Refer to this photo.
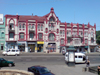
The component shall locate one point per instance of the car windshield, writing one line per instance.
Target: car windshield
(44, 70)
(2, 59)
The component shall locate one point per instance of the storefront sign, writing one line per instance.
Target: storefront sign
(40, 42)
(1, 18)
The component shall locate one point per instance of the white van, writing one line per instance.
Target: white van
(79, 57)
(11, 52)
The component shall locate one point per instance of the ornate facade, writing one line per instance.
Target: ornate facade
(47, 33)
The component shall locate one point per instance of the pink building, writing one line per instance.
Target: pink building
(47, 33)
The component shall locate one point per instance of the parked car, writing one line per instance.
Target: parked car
(11, 52)
(40, 70)
(4, 62)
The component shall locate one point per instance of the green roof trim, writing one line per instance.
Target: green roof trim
(71, 48)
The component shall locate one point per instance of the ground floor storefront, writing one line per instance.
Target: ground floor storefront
(2, 45)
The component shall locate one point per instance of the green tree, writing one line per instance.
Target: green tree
(98, 37)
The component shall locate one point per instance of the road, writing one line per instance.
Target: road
(55, 63)
(49, 59)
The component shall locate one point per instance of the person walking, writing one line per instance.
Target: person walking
(87, 64)
(99, 70)
(30, 50)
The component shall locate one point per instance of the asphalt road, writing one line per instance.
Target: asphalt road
(55, 63)
(47, 59)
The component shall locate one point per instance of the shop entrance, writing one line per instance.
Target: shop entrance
(52, 47)
(40, 48)
(32, 47)
(21, 48)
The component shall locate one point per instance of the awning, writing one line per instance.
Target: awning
(86, 46)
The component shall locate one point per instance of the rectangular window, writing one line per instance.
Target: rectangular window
(40, 35)
(41, 27)
(63, 32)
(21, 35)
(85, 41)
(19, 26)
(62, 41)
(31, 35)
(29, 26)
(32, 26)
(38, 26)
(60, 32)
(68, 40)
(11, 35)
(23, 26)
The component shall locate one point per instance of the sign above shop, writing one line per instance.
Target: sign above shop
(40, 42)
(1, 18)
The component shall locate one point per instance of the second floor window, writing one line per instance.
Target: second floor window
(62, 41)
(86, 41)
(23, 26)
(51, 36)
(38, 26)
(21, 35)
(40, 36)
(19, 25)
(41, 27)
(32, 26)
(11, 25)
(31, 35)
(11, 35)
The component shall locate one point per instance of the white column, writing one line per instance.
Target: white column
(36, 47)
(26, 47)
(16, 46)
(88, 49)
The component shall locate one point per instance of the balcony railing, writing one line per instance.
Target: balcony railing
(11, 29)
(32, 39)
(31, 29)
(69, 35)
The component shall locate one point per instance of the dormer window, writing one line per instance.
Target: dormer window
(52, 20)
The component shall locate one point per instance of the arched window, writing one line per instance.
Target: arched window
(51, 36)
(52, 19)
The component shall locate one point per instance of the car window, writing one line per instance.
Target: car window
(13, 50)
(79, 56)
(16, 50)
(8, 51)
(44, 70)
(75, 56)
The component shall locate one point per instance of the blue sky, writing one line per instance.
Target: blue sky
(75, 11)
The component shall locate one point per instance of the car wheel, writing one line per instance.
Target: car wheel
(10, 65)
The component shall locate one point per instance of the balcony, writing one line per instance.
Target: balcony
(31, 29)
(11, 29)
(69, 35)
(11, 39)
(32, 39)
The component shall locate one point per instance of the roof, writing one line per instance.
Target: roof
(78, 53)
(38, 66)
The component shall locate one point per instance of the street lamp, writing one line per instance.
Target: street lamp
(71, 56)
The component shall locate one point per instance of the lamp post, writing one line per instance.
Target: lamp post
(71, 56)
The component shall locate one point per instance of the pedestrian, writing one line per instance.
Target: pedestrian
(99, 70)
(87, 64)
(30, 50)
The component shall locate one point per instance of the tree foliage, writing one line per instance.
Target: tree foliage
(98, 37)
